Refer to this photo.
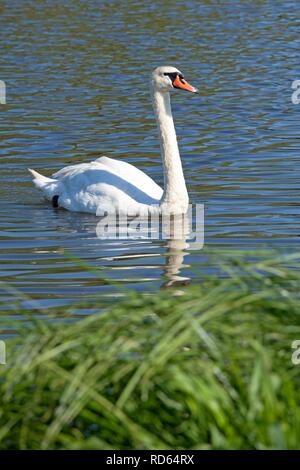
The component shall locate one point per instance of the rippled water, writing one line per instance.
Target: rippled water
(77, 78)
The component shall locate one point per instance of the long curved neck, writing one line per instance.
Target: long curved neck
(175, 192)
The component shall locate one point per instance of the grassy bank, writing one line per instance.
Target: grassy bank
(210, 368)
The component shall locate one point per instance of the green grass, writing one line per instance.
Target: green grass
(206, 367)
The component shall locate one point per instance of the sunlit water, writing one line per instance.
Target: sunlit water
(77, 78)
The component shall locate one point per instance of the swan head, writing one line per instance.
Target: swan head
(167, 78)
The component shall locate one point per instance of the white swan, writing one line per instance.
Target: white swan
(107, 185)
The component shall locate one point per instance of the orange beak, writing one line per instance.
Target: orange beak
(183, 84)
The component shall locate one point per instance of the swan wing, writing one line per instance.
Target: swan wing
(105, 183)
(128, 172)
(133, 175)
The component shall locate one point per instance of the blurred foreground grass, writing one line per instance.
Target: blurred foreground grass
(207, 368)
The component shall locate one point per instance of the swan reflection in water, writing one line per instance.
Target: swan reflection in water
(109, 240)
(172, 231)
(176, 250)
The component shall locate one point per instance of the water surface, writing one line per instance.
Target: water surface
(77, 78)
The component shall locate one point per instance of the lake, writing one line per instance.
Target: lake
(77, 87)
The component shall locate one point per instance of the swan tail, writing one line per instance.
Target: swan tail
(48, 186)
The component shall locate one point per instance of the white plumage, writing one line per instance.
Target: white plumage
(100, 186)
(107, 185)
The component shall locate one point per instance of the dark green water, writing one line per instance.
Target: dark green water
(77, 78)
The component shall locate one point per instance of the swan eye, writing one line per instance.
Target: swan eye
(172, 75)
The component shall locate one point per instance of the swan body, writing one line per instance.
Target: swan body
(100, 186)
(106, 185)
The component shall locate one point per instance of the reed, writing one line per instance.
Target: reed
(208, 367)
